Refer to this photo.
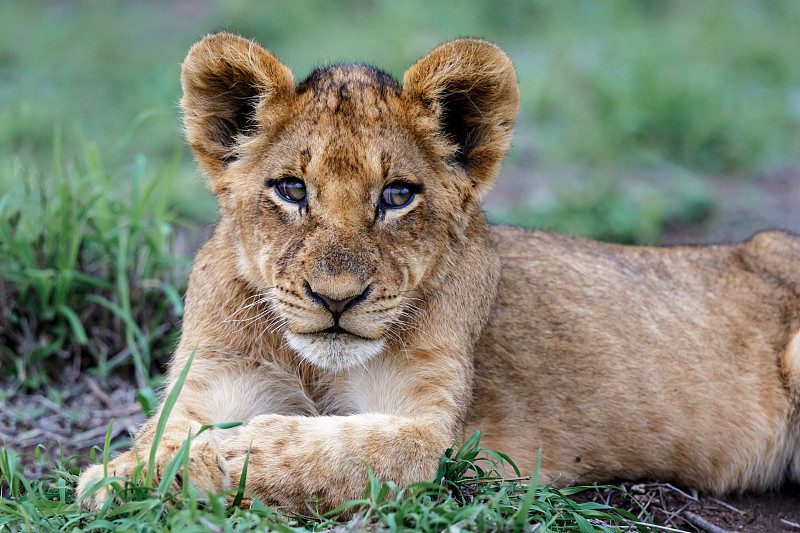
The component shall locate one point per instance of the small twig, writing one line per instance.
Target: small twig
(679, 491)
(790, 524)
(493, 480)
(208, 525)
(727, 506)
(662, 528)
(95, 434)
(53, 406)
(605, 498)
(646, 506)
(118, 358)
(32, 434)
(670, 516)
(99, 392)
(664, 505)
(702, 523)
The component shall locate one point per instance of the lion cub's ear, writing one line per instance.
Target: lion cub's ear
(231, 86)
(471, 88)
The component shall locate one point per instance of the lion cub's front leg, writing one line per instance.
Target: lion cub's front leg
(296, 462)
(207, 469)
(214, 392)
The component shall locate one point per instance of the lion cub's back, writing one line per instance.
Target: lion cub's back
(641, 361)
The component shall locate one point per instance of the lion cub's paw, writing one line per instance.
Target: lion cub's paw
(93, 500)
(207, 470)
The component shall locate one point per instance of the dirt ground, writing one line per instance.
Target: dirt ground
(76, 414)
(771, 201)
(677, 509)
(70, 419)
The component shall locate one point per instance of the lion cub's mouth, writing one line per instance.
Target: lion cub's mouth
(335, 329)
(334, 348)
(339, 330)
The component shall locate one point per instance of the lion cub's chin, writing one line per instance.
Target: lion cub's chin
(333, 351)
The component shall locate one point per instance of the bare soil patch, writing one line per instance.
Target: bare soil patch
(70, 419)
(685, 510)
(745, 206)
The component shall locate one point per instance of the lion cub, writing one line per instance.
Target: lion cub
(353, 302)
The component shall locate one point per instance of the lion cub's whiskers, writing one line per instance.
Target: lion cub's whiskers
(396, 336)
(251, 320)
(248, 319)
(257, 299)
(406, 321)
(275, 325)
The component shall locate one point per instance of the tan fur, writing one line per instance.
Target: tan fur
(681, 364)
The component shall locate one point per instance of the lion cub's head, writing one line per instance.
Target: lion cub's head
(348, 196)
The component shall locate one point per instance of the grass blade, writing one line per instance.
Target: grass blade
(237, 501)
(75, 323)
(169, 403)
(520, 518)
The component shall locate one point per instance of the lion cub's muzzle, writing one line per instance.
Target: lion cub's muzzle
(340, 308)
(344, 329)
(336, 306)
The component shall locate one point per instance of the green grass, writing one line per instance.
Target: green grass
(472, 492)
(87, 265)
(603, 208)
(642, 83)
(482, 502)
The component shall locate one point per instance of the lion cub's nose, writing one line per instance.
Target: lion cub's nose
(337, 306)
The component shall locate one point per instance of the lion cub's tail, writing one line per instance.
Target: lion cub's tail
(774, 255)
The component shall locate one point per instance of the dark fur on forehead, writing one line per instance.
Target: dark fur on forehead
(335, 78)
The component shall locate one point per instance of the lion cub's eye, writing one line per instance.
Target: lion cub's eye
(397, 195)
(291, 189)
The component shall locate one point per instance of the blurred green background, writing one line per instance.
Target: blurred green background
(632, 111)
(641, 121)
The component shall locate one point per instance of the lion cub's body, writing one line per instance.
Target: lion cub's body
(642, 362)
(353, 302)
